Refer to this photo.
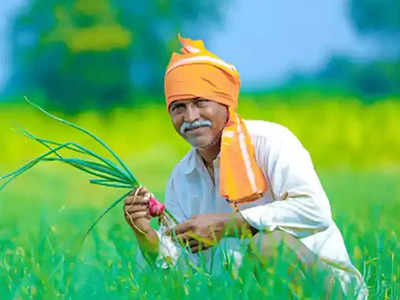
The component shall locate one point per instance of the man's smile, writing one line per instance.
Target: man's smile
(196, 130)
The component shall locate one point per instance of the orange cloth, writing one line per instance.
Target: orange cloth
(199, 73)
(241, 179)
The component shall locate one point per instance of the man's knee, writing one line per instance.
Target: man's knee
(279, 246)
(271, 245)
(267, 243)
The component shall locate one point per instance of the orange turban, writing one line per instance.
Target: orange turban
(199, 73)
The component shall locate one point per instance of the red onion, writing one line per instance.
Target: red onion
(156, 208)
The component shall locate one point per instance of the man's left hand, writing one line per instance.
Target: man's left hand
(203, 231)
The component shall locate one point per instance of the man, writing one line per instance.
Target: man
(240, 177)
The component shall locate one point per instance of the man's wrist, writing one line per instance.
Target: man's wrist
(149, 244)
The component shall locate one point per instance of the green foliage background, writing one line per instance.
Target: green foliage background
(81, 54)
(339, 131)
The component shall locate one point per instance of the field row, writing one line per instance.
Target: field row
(338, 132)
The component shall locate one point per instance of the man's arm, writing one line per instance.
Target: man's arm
(137, 216)
(205, 230)
(301, 207)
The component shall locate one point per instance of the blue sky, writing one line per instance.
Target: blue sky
(266, 40)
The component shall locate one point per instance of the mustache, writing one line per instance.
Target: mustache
(193, 125)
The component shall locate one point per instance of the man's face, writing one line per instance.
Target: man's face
(199, 121)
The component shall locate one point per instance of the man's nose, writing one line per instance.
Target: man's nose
(191, 113)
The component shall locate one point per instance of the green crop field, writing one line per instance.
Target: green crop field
(45, 212)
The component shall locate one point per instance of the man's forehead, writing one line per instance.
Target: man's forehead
(188, 100)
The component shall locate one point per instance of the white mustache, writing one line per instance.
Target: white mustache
(193, 125)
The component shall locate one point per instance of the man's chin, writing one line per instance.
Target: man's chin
(198, 144)
(202, 144)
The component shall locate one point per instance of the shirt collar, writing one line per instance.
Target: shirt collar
(195, 160)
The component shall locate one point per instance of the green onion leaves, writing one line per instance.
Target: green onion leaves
(105, 172)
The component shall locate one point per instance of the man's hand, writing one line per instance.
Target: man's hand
(136, 210)
(203, 231)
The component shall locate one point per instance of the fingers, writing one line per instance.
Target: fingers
(136, 205)
(196, 249)
(194, 242)
(186, 239)
(183, 238)
(182, 228)
(135, 208)
(137, 215)
(191, 243)
(137, 219)
(141, 190)
(139, 195)
(195, 246)
(140, 206)
(138, 200)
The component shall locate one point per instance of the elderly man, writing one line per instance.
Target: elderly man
(240, 177)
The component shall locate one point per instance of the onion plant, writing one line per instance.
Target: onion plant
(110, 173)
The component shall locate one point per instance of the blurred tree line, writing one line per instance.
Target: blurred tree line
(79, 54)
(378, 20)
(99, 53)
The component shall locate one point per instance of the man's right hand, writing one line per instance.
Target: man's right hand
(136, 210)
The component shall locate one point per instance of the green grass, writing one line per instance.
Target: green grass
(45, 214)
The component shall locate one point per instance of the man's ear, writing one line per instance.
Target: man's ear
(227, 114)
(169, 108)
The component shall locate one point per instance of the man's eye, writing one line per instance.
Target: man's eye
(177, 108)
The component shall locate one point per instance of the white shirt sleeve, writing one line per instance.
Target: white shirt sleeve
(300, 206)
(171, 200)
(169, 251)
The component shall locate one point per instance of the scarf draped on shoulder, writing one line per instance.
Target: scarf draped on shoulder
(196, 72)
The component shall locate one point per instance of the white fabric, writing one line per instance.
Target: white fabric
(200, 59)
(295, 202)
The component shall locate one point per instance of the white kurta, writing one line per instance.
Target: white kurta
(295, 201)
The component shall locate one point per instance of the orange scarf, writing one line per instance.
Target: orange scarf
(199, 73)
